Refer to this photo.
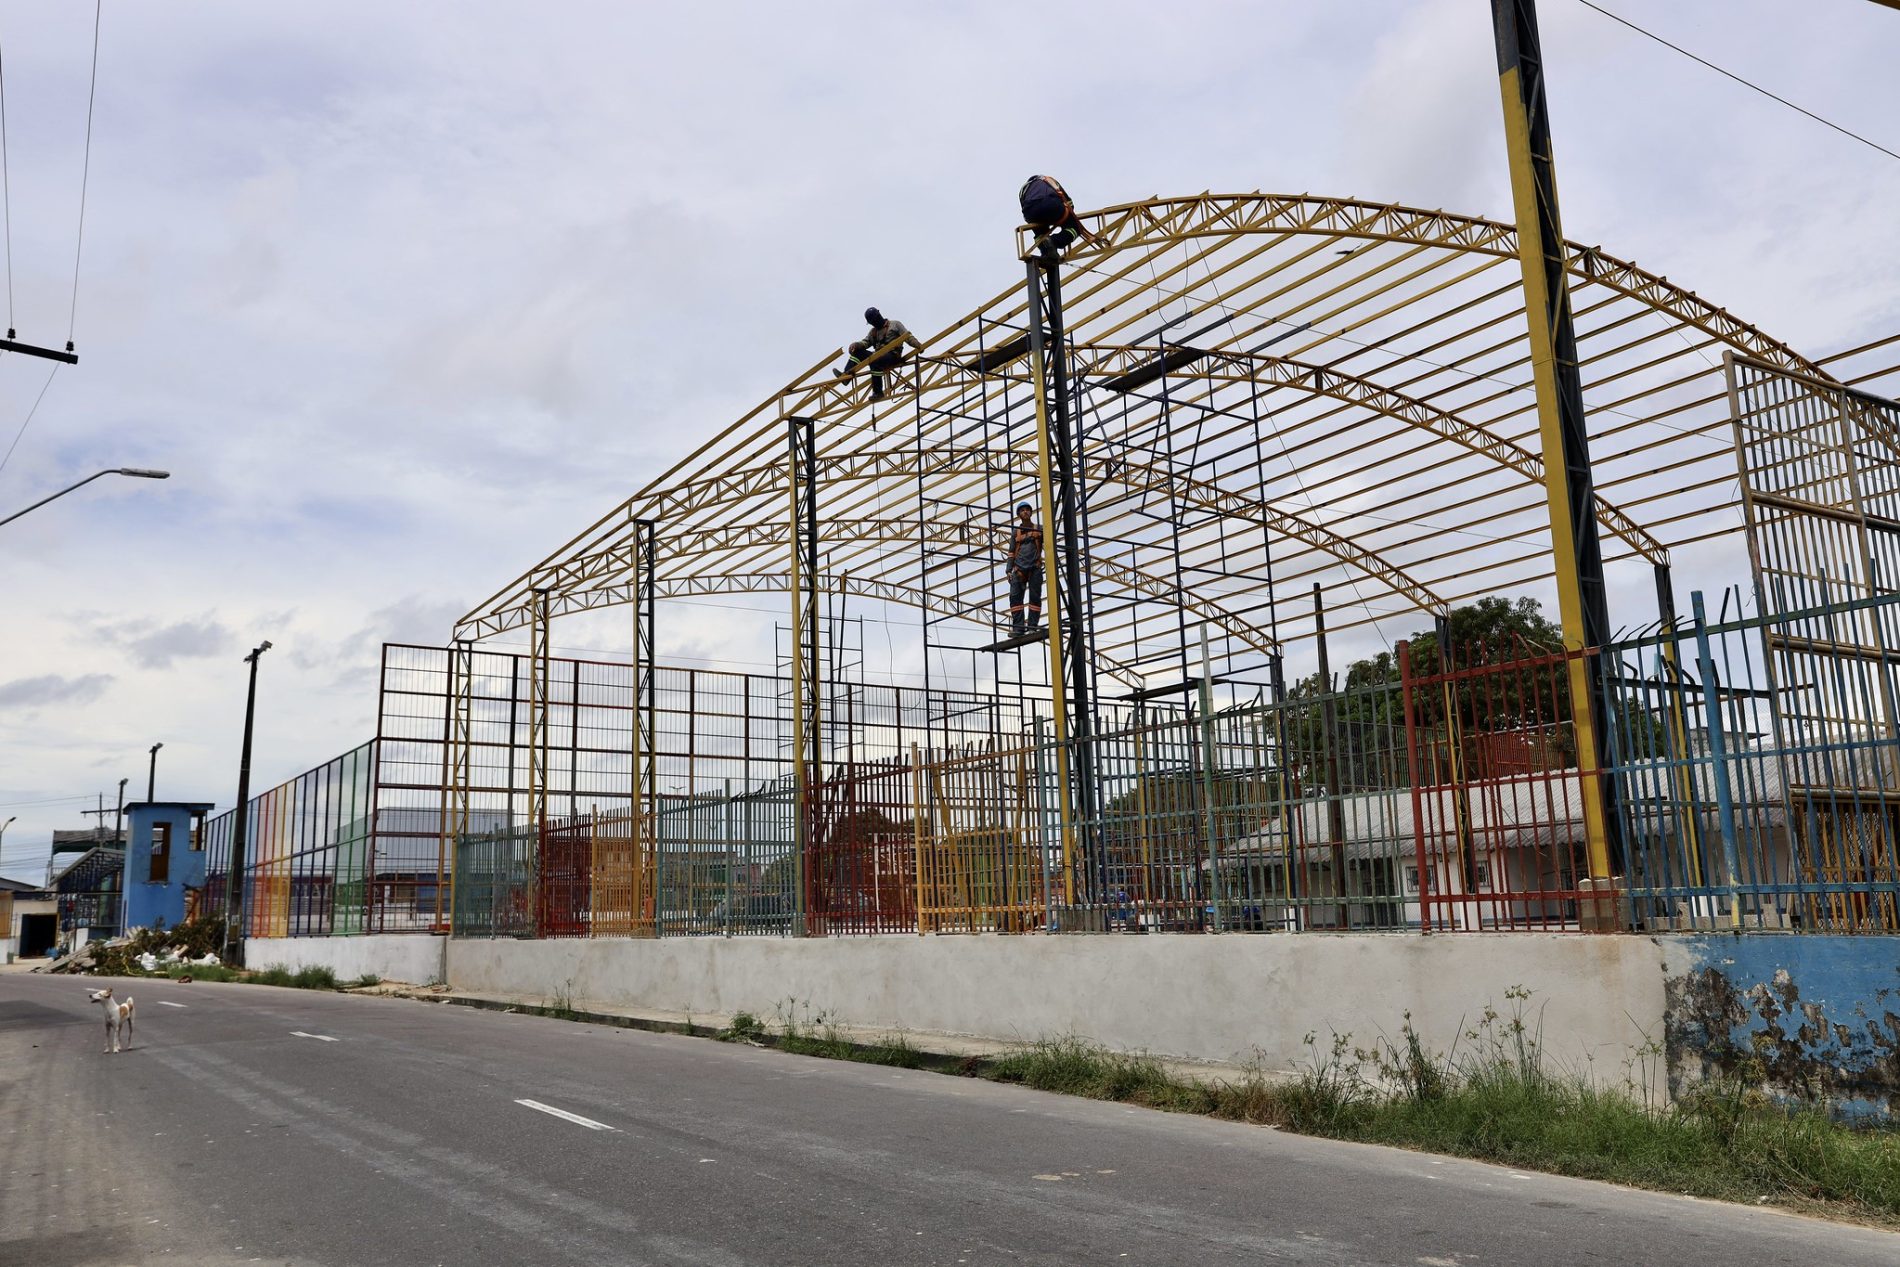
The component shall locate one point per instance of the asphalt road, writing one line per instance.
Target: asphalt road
(233, 1132)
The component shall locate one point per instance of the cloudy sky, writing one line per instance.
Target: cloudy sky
(403, 295)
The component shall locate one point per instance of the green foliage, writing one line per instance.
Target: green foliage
(363, 982)
(743, 1028)
(310, 977)
(315, 977)
(1498, 1100)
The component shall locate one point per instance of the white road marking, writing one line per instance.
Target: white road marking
(565, 1116)
(169, 1003)
(322, 1038)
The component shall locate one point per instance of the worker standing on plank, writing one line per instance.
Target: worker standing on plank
(1048, 210)
(1025, 573)
(880, 350)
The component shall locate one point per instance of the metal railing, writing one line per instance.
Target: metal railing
(1751, 780)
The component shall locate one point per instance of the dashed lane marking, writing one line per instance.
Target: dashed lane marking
(565, 1116)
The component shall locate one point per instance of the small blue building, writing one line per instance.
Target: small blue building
(164, 857)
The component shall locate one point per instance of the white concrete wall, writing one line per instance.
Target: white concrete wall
(1228, 998)
(411, 957)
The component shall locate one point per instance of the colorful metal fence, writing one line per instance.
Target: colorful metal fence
(1753, 782)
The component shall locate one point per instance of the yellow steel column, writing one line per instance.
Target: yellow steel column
(1576, 554)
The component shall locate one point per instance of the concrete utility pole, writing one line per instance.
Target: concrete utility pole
(234, 881)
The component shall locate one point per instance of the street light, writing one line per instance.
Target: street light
(138, 473)
(151, 775)
(234, 881)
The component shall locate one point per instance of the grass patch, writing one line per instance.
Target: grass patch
(817, 1035)
(363, 982)
(311, 977)
(1498, 1101)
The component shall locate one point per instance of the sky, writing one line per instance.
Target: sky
(405, 295)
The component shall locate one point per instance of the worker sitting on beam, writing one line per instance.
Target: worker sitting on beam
(880, 350)
(1024, 552)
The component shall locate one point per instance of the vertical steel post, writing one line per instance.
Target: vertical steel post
(807, 741)
(1080, 662)
(730, 840)
(1294, 866)
(1055, 602)
(234, 881)
(1210, 815)
(917, 827)
(1421, 857)
(1569, 490)
(1677, 731)
(457, 725)
(1718, 756)
(641, 811)
(1329, 744)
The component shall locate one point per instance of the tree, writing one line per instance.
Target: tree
(1515, 709)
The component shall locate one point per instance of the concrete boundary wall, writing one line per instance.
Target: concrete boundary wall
(1597, 1000)
(413, 957)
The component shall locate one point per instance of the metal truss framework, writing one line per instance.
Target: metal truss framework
(1382, 348)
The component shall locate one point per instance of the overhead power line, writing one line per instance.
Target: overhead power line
(1738, 79)
(29, 419)
(85, 174)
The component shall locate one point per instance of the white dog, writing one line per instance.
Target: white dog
(118, 1017)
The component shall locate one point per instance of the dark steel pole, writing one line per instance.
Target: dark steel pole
(151, 775)
(234, 881)
(1065, 443)
(1329, 741)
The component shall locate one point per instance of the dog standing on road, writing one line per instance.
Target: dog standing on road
(118, 1017)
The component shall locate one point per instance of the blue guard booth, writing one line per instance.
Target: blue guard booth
(164, 858)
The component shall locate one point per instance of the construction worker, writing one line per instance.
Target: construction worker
(1048, 210)
(880, 350)
(1024, 552)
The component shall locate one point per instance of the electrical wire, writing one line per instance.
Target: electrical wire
(6, 191)
(29, 418)
(1738, 79)
(85, 174)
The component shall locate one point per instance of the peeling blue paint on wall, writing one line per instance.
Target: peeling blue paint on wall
(1807, 1018)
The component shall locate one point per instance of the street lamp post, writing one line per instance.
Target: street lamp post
(234, 890)
(135, 472)
(151, 775)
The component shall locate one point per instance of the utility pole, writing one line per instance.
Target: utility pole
(99, 826)
(151, 775)
(234, 881)
(1575, 551)
(118, 816)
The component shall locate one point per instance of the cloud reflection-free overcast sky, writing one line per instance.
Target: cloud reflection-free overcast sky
(404, 295)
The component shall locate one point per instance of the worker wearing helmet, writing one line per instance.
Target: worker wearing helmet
(1024, 553)
(880, 350)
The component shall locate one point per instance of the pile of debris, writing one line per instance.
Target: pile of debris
(147, 950)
